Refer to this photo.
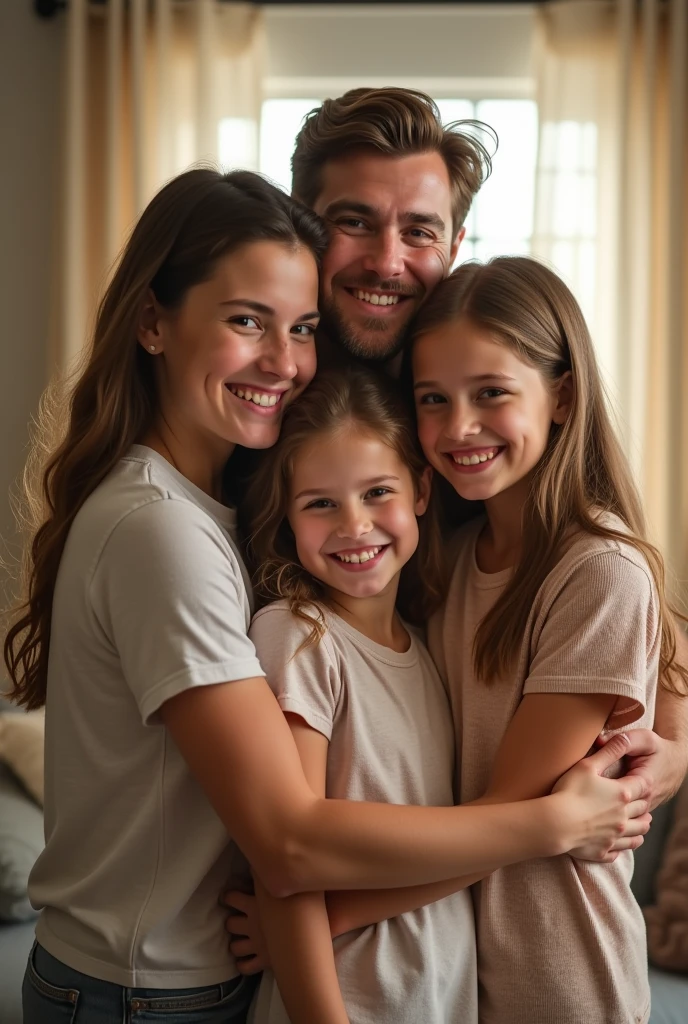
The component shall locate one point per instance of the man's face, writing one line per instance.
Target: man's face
(391, 242)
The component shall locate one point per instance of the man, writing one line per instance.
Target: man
(395, 187)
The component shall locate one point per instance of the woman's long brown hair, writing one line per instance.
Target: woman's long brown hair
(583, 471)
(194, 221)
(352, 398)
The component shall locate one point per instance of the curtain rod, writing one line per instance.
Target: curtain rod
(49, 8)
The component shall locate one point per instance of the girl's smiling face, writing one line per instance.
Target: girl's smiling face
(352, 509)
(484, 415)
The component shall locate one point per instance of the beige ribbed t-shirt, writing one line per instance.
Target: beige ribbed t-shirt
(387, 718)
(560, 941)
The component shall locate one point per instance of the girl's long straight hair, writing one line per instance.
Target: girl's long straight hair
(583, 471)
(195, 220)
(351, 398)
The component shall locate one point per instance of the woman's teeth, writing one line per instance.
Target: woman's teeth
(357, 556)
(257, 397)
(376, 299)
(474, 459)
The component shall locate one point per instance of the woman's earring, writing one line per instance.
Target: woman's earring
(151, 348)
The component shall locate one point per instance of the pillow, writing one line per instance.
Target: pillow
(21, 841)
(667, 920)
(21, 748)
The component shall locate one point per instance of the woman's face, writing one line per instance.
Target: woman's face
(239, 349)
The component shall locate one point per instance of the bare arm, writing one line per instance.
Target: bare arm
(296, 930)
(548, 734)
(297, 841)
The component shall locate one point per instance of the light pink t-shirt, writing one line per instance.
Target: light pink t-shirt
(560, 941)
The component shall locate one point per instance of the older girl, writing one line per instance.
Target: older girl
(556, 625)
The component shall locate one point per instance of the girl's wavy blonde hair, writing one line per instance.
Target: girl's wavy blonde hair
(354, 398)
(583, 471)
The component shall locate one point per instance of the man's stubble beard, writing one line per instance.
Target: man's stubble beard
(342, 334)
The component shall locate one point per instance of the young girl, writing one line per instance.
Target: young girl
(555, 626)
(333, 514)
(162, 736)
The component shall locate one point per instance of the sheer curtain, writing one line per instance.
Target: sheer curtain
(152, 87)
(612, 216)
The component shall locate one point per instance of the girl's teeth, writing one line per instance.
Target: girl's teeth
(474, 459)
(358, 556)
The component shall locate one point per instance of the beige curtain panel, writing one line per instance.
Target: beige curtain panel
(153, 87)
(612, 90)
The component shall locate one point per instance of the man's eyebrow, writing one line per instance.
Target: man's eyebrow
(430, 219)
(259, 307)
(350, 206)
(375, 481)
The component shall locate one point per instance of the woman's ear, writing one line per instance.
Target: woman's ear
(564, 392)
(148, 331)
(423, 491)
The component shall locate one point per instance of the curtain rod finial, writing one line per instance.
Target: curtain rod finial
(48, 8)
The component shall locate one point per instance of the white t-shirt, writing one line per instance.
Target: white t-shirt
(391, 740)
(151, 599)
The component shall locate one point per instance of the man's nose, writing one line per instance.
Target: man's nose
(385, 255)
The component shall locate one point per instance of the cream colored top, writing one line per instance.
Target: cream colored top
(388, 722)
(560, 941)
(151, 599)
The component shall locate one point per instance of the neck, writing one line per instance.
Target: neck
(375, 617)
(193, 457)
(500, 545)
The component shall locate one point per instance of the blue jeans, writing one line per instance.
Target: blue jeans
(55, 994)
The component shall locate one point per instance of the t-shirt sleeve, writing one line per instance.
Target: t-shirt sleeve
(168, 594)
(601, 635)
(306, 682)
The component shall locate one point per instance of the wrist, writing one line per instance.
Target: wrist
(561, 827)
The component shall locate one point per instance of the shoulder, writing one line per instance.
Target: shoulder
(594, 568)
(278, 631)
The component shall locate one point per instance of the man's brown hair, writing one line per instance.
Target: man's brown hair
(397, 122)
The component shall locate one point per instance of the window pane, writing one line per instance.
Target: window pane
(504, 205)
(280, 122)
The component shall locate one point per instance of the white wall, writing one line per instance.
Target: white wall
(400, 44)
(30, 83)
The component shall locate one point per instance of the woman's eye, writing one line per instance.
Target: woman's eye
(245, 321)
(431, 399)
(492, 393)
(377, 492)
(304, 330)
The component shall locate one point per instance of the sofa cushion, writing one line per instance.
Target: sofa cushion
(22, 743)
(21, 841)
(667, 919)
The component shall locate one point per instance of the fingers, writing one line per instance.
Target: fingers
(239, 900)
(638, 826)
(237, 924)
(250, 965)
(638, 810)
(614, 749)
(626, 843)
(636, 788)
(642, 742)
(241, 946)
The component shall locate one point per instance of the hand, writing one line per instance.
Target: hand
(247, 943)
(602, 808)
(659, 761)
